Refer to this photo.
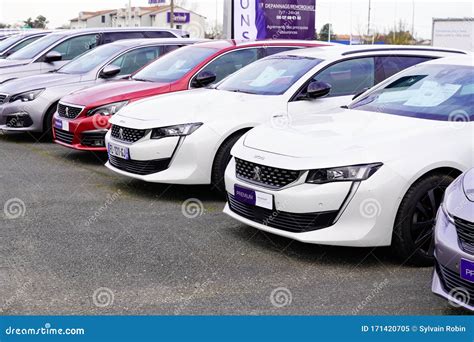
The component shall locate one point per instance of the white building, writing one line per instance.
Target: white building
(156, 16)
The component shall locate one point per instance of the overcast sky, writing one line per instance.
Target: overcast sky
(343, 14)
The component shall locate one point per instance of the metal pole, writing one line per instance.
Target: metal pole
(129, 13)
(413, 20)
(172, 14)
(368, 19)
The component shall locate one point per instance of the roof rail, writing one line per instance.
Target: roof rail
(403, 49)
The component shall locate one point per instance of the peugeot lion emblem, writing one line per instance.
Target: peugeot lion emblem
(257, 174)
(67, 111)
(121, 133)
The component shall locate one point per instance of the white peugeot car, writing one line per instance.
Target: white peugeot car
(370, 174)
(186, 137)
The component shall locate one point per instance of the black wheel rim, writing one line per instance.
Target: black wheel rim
(424, 220)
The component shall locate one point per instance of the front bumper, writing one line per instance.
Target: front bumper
(83, 133)
(173, 160)
(23, 116)
(363, 214)
(447, 281)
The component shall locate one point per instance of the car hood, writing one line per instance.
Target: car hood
(9, 63)
(198, 105)
(115, 91)
(39, 81)
(345, 137)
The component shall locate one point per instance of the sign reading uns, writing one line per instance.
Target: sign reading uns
(274, 19)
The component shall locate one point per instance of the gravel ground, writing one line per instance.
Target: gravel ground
(86, 241)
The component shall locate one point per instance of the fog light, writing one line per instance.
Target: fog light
(19, 120)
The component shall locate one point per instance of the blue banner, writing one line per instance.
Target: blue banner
(237, 329)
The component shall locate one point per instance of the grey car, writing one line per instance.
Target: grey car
(18, 41)
(56, 49)
(28, 104)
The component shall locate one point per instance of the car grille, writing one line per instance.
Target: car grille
(69, 112)
(63, 136)
(139, 167)
(91, 139)
(451, 280)
(3, 98)
(266, 176)
(290, 222)
(127, 134)
(465, 231)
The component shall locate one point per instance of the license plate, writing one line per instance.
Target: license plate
(252, 197)
(61, 124)
(119, 151)
(466, 269)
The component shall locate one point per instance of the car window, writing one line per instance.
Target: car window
(35, 48)
(91, 59)
(269, 76)
(110, 37)
(5, 44)
(76, 46)
(271, 50)
(386, 66)
(436, 92)
(349, 76)
(232, 61)
(134, 60)
(159, 34)
(169, 48)
(175, 65)
(23, 44)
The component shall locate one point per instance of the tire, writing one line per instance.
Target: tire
(412, 239)
(47, 134)
(221, 160)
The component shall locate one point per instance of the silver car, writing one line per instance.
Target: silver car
(28, 104)
(56, 49)
(18, 41)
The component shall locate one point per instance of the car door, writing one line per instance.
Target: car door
(228, 63)
(69, 49)
(346, 77)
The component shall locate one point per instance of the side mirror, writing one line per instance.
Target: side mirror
(53, 56)
(318, 89)
(110, 71)
(204, 78)
(360, 93)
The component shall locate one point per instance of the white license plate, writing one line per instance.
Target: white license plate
(61, 124)
(119, 151)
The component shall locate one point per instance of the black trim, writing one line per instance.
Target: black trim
(402, 49)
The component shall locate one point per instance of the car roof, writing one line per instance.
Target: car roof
(464, 60)
(153, 41)
(230, 43)
(331, 52)
(115, 29)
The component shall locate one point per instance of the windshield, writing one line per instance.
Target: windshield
(5, 44)
(436, 92)
(270, 76)
(174, 65)
(32, 50)
(90, 60)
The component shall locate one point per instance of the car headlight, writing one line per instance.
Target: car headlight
(174, 131)
(27, 95)
(107, 110)
(342, 174)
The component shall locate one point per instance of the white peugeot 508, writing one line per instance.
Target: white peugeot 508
(370, 174)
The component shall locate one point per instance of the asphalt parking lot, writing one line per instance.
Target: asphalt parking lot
(78, 239)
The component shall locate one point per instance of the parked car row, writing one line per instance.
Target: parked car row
(326, 144)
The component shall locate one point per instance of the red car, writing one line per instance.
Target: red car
(86, 113)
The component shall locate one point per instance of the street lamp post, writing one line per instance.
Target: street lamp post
(172, 13)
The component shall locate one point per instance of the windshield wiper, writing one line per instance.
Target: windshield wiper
(240, 91)
(140, 79)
